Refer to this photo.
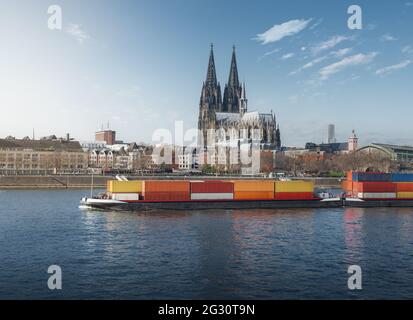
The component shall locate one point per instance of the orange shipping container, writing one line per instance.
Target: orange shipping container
(165, 186)
(253, 185)
(349, 175)
(347, 185)
(404, 187)
(253, 195)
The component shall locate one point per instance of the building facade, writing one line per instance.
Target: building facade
(40, 157)
(107, 136)
(230, 113)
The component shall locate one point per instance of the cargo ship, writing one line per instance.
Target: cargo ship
(361, 189)
(146, 195)
(378, 189)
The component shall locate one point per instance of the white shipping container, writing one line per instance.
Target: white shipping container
(212, 196)
(376, 195)
(125, 196)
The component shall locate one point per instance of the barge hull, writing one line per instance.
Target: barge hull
(390, 203)
(220, 205)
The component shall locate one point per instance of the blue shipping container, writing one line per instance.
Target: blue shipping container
(402, 177)
(372, 177)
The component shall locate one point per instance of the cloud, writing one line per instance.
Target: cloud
(309, 65)
(387, 37)
(409, 4)
(390, 69)
(342, 52)
(280, 31)
(315, 25)
(76, 31)
(268, 53)
(330, 43)
(288, 56)
(407, 49)
(351, 61)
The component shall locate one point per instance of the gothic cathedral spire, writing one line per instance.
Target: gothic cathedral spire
(211, 79)
(210, 101)
(232, 92)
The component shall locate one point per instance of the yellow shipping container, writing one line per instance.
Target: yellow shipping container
(404, 195)
(116, 186)
(253, 185)
(294, 186)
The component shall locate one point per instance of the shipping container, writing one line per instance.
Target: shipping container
(347, 185)
(126, 196)
(253, 185)
(166, 196)
(371, 177)
(294, 186)
(377, 195)
(402, 177)
(349, 175)
(294, 196)
(253, 195)
(116, 186)
(404, 195)
(381, 187)
(212, 196)
(404, 187)
(212, 187)
(165, 186)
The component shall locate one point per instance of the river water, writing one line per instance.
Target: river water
(251, 254)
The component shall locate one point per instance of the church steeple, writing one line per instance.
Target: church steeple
(211, 79)
(210, 101)
(233, 72)
(232, 92)
(243, 101)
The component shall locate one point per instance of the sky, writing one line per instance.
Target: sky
(139, 66)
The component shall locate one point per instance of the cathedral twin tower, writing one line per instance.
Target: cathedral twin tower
(231, 111)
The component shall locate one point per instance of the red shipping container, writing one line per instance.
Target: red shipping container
(165, 186)
(294, 196)
(167, 196)
(212, 187)
(369, 187)
(404, 187)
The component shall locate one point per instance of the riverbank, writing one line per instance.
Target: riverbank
(84, 181)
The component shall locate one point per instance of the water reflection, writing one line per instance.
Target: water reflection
(353, 225)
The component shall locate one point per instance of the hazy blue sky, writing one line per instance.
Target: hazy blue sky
(140, 66)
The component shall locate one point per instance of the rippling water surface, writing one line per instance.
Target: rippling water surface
(251, 254)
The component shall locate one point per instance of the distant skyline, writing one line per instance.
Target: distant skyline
(139, 65)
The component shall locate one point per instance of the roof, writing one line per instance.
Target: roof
(395, 151)
(228, 116)
(253, 116)
(393, 147)
(41, 145)
(256, 116)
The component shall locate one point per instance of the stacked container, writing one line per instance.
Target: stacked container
(404, 185)
(162, 190)
(370, 185)
(253, 190)
(212, 190)
(294, 190)
(125, 190)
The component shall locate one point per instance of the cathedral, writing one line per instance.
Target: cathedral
(229, 114)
